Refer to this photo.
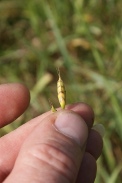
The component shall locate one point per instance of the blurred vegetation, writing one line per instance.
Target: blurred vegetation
(84, 39)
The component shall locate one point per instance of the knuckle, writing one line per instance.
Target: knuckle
(55, 159)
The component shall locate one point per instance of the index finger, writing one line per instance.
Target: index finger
(14, 99)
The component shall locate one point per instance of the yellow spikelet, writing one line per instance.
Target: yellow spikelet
(61, 91)
(52, 107)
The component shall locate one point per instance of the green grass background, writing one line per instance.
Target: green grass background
(84, 39)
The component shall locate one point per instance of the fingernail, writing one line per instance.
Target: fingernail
(72, 125)
(100, 129)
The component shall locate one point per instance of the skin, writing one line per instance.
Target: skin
(37, 151)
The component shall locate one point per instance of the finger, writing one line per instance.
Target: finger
(53, 151)
(85, 111)
(93, 150)
(94, 144)
(88, 168)
(16, 138)
(14, 99)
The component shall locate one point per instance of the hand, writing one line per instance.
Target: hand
(55, 147)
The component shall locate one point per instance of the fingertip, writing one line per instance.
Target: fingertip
(85, 111)
(14, 99)
(23, 92)
(100, 129)
(94, 144)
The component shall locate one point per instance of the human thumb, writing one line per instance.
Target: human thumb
(53, 151)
